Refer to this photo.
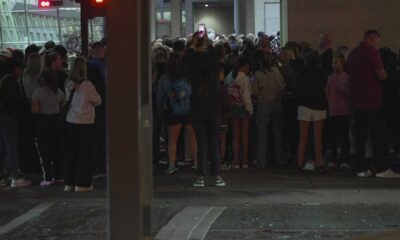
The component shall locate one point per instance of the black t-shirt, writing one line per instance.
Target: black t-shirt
(10, 96)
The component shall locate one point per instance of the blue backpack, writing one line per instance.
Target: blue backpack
(180, 93)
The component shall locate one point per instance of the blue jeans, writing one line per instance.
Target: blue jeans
(270, 113)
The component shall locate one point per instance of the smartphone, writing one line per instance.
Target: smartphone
(202, 30)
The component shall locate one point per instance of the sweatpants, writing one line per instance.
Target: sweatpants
(80, 164)
(49, 143)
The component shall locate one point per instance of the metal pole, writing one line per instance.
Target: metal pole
(26, 22)
(236, 15)
(59, 26)
(84, 28)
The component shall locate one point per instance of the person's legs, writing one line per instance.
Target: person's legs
(201, 138)
(344, 129)
(85, 161)
(304, 128)
(244, 127)
(191, 141)
(9, 134)
(235, 141)
(318, 138)
(262, 123)
(333, 128)
(71, 155)
(173, 135)
(213, 147)
(46, 147)
(277, 129)
(222, 145)
(376, 124)
(361, 134)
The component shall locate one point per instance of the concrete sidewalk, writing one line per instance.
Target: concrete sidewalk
(256, 204)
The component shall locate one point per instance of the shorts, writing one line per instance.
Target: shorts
(238, 112)
(310, 115)
(172, 119)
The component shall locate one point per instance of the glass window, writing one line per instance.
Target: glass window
(272, 17)
(19, 28)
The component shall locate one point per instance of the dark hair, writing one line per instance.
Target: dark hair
(18, 55)
(200, 41)
(49, 79)
(240, 62)
(174, 67)
(311, 56)
(49, 45)
(51, 57)
(9, 66)
(167, 42)
(340, 57)
(178, 46)
(61, 50)
(219, 51)
(372, 32)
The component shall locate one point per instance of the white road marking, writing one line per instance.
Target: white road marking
(22, 219)
(191, 223)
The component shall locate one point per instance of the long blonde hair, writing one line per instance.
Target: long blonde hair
(78, 72)
(33, 65)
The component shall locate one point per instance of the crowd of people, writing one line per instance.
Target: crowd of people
(52, 116)
(238, 102)
(234, 102)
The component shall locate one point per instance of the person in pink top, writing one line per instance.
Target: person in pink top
(338, 92)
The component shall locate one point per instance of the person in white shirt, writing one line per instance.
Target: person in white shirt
(82, 100)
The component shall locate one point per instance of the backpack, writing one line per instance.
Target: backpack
(179, 94)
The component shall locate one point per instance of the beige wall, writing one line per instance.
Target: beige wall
(345, 20)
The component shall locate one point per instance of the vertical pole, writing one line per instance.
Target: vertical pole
(129, 132)
(236, 16)
(84, 28)
(1, 34)
(284, 22)
(176, 18)
(26, 22)
(189, 16)
(59, 26)
(153, 20)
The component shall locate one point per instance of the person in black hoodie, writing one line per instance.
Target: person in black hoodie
(312, 103)
(10, 101)
(201, 68)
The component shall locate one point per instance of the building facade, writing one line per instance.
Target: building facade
(23, 23)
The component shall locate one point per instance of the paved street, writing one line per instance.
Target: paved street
(256, 204)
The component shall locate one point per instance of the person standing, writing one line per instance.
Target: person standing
(10, 100)
(367, 74)
(201, 68)
(338, 95)
(46, 103)
(97, 71)
(83, 98)
(268, 88)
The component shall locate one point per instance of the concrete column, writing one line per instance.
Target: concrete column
(153, 20)
(128, 120)
(284, 22)
(250, 21)
(236, 19)
(176, 18)
(189, 16)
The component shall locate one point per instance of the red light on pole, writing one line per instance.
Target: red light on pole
(50, 3)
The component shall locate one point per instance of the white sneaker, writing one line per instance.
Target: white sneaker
(83, 189)
(3, 183)
(345, 166)
(20, 183)
(365, 174)
(199, 182)
(171, 170)
(219, 182)
(69, 188)
(388, 174)
(310, 166)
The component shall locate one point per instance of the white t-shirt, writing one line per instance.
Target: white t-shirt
(84, 101)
